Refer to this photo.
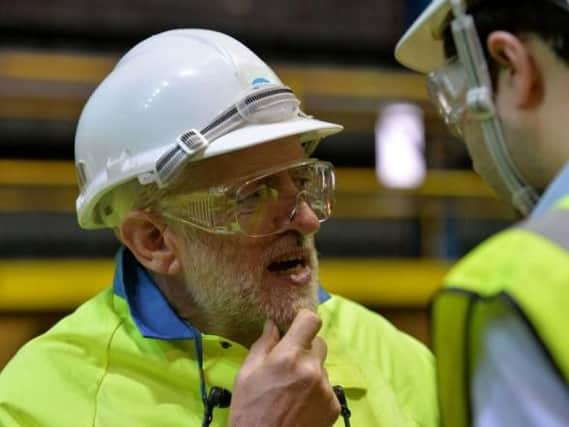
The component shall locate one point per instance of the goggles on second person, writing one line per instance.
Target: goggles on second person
(258, 205)
(448, 88)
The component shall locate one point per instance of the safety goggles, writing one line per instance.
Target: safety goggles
(258, 205)
(269, 103)
(448, 87)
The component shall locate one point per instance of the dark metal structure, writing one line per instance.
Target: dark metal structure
(360, 30)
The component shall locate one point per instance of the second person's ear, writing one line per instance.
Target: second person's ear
(523, 79)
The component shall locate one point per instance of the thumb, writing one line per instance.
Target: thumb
(265, 343)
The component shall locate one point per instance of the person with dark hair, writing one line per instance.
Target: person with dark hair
(498, 71)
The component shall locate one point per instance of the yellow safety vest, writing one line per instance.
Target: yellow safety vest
(525, 268)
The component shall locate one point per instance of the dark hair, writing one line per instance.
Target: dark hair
(544, 18)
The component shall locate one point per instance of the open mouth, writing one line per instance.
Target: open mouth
(288, 265)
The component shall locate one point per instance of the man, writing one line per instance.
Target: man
(194, 152)
(499, 73)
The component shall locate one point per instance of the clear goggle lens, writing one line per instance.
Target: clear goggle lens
(266, 205)
(263, 205)
(447, 88)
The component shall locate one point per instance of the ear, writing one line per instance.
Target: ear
(151, 242)
(524, 78)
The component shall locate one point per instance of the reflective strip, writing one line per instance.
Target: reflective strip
(554, 226)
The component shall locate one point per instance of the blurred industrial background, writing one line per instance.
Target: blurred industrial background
(407, 203)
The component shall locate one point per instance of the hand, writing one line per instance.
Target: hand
(284, 383)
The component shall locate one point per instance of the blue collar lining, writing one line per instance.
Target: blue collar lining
(152, 314)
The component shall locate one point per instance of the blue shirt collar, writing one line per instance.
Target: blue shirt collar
(556, 190)
(150, 310)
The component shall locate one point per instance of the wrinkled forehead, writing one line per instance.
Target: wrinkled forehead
(231, 167)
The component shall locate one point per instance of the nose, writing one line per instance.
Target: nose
(303, 219)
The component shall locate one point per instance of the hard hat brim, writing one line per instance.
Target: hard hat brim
(421, 47)
(252, 135)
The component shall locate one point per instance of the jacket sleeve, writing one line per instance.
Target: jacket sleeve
(48, 384)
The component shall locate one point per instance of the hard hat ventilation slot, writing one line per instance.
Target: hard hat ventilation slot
(257, 97)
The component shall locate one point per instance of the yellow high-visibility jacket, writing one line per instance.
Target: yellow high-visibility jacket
(523, 272)
(125, 358)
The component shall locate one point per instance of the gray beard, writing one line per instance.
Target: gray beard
(228, 287)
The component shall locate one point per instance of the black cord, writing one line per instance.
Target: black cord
(221, 398)
(344, 409)
(218, 397)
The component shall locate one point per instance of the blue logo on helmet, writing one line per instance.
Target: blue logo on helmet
(259, 81)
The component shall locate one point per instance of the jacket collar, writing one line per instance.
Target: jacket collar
(556, 190)
(150, 310)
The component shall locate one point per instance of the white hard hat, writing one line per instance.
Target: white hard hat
(182, 95)
(421, 47)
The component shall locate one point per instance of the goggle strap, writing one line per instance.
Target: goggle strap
(188, 145)
(222, 128)
(193, 142)
(480, 102)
